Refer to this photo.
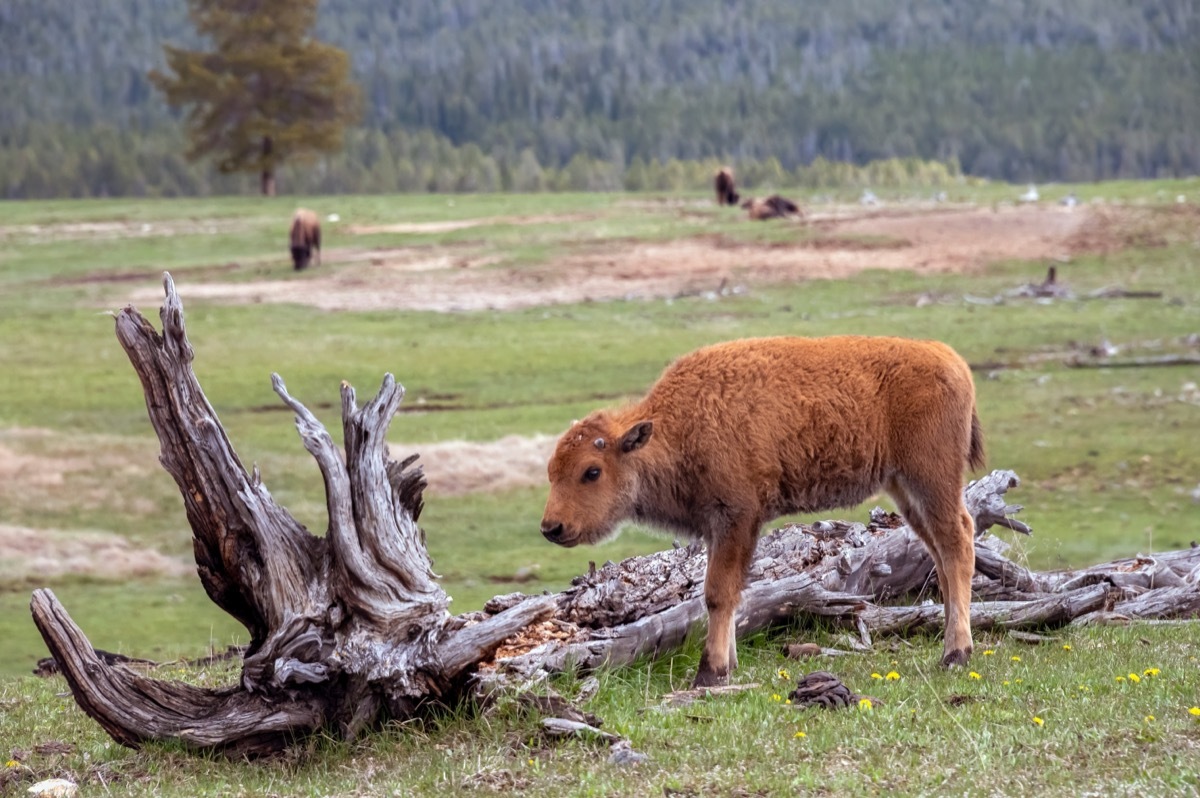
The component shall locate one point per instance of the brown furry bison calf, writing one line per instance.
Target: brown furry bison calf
(726, 189)
(773, 207)
(737, 434)
(305, 238)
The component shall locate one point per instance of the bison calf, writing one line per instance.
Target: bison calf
(305, 238)
(737, 434)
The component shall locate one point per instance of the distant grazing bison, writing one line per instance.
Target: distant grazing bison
(737, 434)
(726, 189)
(773, 207)
(305, 238)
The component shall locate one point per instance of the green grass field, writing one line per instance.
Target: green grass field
(1109, 460)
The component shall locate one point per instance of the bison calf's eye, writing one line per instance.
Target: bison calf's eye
(592, 474)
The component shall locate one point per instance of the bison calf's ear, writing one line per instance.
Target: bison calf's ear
(637, 436)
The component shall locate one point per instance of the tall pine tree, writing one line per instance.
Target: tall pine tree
(266, 93)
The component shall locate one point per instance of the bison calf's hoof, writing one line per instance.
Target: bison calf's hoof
(957, 658)
(706, 677)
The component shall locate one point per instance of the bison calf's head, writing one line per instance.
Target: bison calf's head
(593, 479)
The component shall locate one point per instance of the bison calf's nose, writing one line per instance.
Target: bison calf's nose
(552, 531)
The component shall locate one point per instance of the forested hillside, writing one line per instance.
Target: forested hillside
(481, 94)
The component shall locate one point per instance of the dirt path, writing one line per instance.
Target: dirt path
(849, 240)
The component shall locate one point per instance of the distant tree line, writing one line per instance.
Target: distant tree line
(60, 162)
(599, 93)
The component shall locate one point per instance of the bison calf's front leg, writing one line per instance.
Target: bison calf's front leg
(728, 561)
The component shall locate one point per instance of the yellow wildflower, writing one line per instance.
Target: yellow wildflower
(988, 653)
(865, 704)
(776, 697)
(1194, 712)
(799, 735)
(1066, 646)
(787, 700)
(1151, 672)
(892, 676)
(974, 675)
(876, 676)
(1133, 677)
(1120, 678)
(1149, 718)
(12, 763)
(1015, 658)
(1005, 682)
(784, 674)
(1038, 721)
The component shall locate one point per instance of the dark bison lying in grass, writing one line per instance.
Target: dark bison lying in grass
(773, 207)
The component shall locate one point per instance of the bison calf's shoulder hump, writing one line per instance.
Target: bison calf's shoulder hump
(736, 434)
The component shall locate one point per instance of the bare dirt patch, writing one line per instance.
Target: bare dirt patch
(848, 240)
(454, 468)
(104, 231)
(43, 470)
(50, 472)
(460, 224)
(46, 553)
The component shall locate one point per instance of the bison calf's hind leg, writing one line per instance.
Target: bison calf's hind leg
(945, 527)
(957, 545)
(728, 561)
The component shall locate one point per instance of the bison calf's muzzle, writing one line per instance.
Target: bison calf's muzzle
(552, 532)
(737, 434)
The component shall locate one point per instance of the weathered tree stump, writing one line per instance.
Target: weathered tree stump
(351, 629)
(346, 630)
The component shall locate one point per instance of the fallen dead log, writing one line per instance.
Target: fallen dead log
(843, 572)
(350, 630)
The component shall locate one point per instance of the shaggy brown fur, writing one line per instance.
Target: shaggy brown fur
(305, 238)
(725, 186)
(773, 207)
(737, 434)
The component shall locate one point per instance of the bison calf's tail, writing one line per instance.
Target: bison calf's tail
(976, 457)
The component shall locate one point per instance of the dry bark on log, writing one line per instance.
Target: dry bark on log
(351, 629)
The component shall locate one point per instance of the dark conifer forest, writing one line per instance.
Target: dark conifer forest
(528, 95)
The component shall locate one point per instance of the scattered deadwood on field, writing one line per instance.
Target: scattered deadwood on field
(1103, 354)
(1137, 362)
(1054, 289)
(350, 630)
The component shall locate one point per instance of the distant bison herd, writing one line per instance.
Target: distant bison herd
(772, 207)
(304, 237)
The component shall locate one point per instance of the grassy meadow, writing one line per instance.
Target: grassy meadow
(1109, 461)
